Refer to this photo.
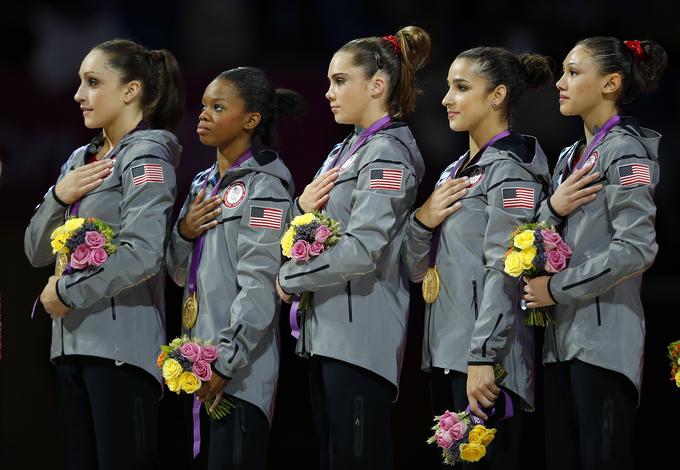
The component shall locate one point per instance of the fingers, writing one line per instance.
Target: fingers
(325, 178)
(475, 409)
(218, 399)
(587, 191)
(453, 209)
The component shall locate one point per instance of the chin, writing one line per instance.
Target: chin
(566, 110)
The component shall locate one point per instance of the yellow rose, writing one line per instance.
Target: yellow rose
(303, 219)
(61, 230)
(524, 240)
(171, 369)
(527, 255)
(189, 382)
(677, 378)
(173, 384)
(513, 264)
(59, 245)
(74, 224)
(476, 434)
(287, 242)
(488, 436)
(472, 452)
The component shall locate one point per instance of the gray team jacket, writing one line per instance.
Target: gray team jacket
(119, 307)
(473, 321)
(361, 299)
(238, 305)
(599, 314)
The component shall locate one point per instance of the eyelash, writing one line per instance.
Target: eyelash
(92, 82)
(216, 107)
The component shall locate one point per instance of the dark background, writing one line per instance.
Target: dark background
(42, 44)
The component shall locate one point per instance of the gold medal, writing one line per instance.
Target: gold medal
(61, 264)
(431, 285)
(190, 311)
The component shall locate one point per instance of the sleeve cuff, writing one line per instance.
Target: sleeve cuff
(481, 363)
(298, 206)
(284, 290)
(422, 225)
(550, 290)
(56, 198)
(61, 298)
(217, 372)
(552, 209)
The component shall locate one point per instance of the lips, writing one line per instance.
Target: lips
(202, 129)
(452, 114)
(563, 97)
(335, 109)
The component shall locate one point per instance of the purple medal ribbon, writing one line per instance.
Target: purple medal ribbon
(611, 122)
(191, 285)
(508, 412)
(434, 247)
(341, 158)
(200, 241)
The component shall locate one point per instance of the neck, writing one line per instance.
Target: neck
(228, 155)
(121, 126)
(370, 116)
(482, 134)
(595, 119)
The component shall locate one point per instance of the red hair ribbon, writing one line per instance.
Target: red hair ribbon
(636, 48)
(394, 42)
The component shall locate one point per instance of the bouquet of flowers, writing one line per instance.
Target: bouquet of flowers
(81, 243)
(536, 249)
(674, 356)
(462, 436)
(186, 364)
(308, 236)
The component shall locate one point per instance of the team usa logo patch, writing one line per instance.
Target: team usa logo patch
(518, 198)
(475, 177)
(234, 195)
(265, 217)
(147, 173)
(634, 173)
(385, 178)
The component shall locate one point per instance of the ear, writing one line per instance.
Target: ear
(132, 91)
(378, 85)
(611, 83)
(497, 96)
(251, 121)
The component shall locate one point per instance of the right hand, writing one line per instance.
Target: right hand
(200, 216)
(82, 180)
(315, 195)
(440, 204)
(573, 193)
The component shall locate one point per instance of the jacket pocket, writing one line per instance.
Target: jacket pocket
(113, 308)
(348, 289)
(599, 315)
(474, 299)
(358, 424)
(239, 435)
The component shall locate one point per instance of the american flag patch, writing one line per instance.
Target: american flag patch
(634, 173)
(383, 178)
(147, 173)
(267, 217)
(522, 198)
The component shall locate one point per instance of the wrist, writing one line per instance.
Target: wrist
(422, 220)
(182, 232)
(553, 210)
(61, 200)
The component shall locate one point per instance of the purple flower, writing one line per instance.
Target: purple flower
(209, 354)
(300, 251)
(550, 239)
(81, 257)
(322, 234)
(190, 351)
(563, 248)
(202, 370)
(94, 239)
(98, 256)
(556, 262)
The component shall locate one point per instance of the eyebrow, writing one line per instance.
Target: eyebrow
(339, 74)
(459, 80)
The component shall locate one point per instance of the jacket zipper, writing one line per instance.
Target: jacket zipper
(599, 318)
(474, 298)
(557, 352)
(348, 289)
(113, 308)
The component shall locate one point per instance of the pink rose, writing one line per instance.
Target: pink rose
(563, 248)
(550, 239)
(80, 258)
(444, 439)
(447, 420)
(98, 256)
(316, 248)
(202, 370)
(300, 251)
(190, 351)
(209, 354)
(94, 239)
(322, 234)
(556, 261)
(450, 423)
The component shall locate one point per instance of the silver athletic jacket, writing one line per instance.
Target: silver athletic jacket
(238, 305)
(599, 314)
(118, 308)
(474, 320)
(361, 299)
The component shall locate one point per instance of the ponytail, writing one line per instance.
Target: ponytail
(162, 94)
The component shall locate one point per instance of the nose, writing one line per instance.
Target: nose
(560, 83)
(330, 96)
(79, 94)
(204, 115)
(448, 99)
